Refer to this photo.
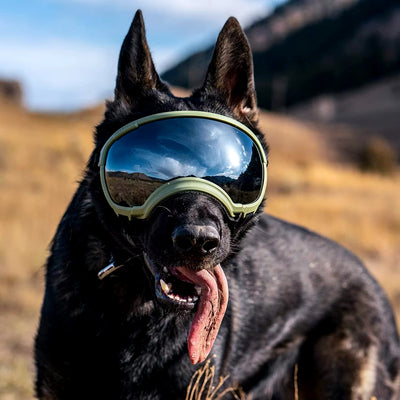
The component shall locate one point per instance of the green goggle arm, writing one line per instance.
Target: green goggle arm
(182, 184)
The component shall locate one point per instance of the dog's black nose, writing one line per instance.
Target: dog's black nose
(203, 238)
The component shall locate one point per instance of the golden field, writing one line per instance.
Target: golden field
(42, 158)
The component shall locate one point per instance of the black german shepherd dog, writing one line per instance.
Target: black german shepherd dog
(297, 301)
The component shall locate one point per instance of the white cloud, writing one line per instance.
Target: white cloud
(59, 74)
(211, 10)
(66, 75)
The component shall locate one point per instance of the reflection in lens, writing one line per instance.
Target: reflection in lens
(144, 159)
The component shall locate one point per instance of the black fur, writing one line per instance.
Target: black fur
(296, 299)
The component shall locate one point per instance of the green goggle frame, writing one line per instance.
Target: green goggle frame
(183, 184)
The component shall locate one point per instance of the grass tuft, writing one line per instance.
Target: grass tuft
(203, 386)
(377, 155)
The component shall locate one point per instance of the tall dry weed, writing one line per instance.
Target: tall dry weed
(204, 385)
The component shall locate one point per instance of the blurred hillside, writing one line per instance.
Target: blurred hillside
(308, 47)
(42, 157)
(321, 52)
(367, 113)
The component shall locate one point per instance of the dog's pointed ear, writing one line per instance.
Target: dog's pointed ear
(136, 71)
(231, 71)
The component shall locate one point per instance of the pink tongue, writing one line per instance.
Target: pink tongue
(210, 310)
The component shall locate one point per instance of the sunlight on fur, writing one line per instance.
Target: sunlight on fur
(203, 387)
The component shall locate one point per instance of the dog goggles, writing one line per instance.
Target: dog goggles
(154, 157)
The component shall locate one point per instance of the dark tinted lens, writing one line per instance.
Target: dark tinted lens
(147, 157)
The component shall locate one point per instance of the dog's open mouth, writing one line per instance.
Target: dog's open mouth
(206, 291)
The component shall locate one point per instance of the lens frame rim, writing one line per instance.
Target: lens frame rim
(186, 183)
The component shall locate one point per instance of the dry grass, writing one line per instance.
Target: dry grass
(41, 159)
(204, 385)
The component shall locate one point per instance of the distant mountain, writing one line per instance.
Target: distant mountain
(309, 47)
(136, 176)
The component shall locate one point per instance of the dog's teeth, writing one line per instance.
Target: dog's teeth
(198, 290)
(166, 287)
(163, 286)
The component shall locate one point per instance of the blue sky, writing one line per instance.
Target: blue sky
(65, 52)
